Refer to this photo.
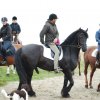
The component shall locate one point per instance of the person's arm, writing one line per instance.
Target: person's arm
(9, 35)
(43, 32)
(57, 37)
(97, 37)
(19, 29)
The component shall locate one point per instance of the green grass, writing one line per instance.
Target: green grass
(42, 75)
(4, 79)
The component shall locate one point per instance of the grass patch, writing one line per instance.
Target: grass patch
(42, 74)
(4, 79)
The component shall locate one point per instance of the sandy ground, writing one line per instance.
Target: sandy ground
(50, 88)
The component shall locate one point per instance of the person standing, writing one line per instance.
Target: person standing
(15, 29)
(50, 32)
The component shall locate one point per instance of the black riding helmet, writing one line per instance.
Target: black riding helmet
(14, 18)
(3, 19)
(52, 16)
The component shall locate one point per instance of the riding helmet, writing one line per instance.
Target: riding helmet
(52, 16)
(14, 18)
(3, 19)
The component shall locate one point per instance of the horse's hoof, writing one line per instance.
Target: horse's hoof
(91, 87)
(86, 86)
(32, 94)
(7, 75)
(79, 74)
(98, 90)
(65, 93)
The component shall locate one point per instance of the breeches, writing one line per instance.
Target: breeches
(56, 52)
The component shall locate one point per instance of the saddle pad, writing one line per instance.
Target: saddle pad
(94, 53)
(47, 53)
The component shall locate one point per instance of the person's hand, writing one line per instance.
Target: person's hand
(55, 40)
(14, 32)
(42, 41)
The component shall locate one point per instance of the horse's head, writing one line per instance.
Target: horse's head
(82, 39)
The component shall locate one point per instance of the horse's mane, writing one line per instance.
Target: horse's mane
(73, 36)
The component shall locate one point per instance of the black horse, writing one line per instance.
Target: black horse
(30, 57)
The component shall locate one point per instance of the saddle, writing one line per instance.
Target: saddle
(96, 54)
(52, 53)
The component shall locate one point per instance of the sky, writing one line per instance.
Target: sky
(72, 14)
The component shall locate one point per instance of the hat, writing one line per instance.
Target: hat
(14, 18)
(3, 19)
(52, 16)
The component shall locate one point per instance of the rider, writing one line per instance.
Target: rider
(15, 29)
(5, 34)
(97, 36)
(51, 38)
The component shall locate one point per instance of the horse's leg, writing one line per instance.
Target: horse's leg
(13, 68)
(8, 70)
(66, 89)
(19, 86)
(79, 68)
(98, 88)
(29, 78)
(91, 75)
(85, 73)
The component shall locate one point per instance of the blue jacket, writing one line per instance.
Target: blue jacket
(15, 27)
(97, 36)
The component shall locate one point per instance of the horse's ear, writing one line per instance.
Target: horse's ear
(86, 29)
(80, 28)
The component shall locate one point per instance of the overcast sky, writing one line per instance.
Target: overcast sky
(72, 14)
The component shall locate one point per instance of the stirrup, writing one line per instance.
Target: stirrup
(58, 70)
(3, 62)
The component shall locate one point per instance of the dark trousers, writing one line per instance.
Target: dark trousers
(98, 53)
(6, 45)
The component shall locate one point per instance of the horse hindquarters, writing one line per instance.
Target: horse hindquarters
(20, 68)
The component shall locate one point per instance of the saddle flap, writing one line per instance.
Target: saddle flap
(49, 54)
(94, 53)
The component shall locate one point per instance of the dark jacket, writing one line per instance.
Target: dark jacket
(97, 36)
(5, 33)
(15, 28)
(50, 32)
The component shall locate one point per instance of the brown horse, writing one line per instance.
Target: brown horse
(10, 59)
(90, 60)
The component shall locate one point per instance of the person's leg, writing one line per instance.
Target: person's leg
(56, 56)
(16, 38)
(98, 56)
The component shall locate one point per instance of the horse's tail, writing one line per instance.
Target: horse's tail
(4, 93)
(19, 66)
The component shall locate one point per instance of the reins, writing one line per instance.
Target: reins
(77, 46)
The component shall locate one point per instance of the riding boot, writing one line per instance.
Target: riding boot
(4, 58)
(97, 58)
(58, 70)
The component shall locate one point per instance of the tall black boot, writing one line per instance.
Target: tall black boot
(4, 57)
